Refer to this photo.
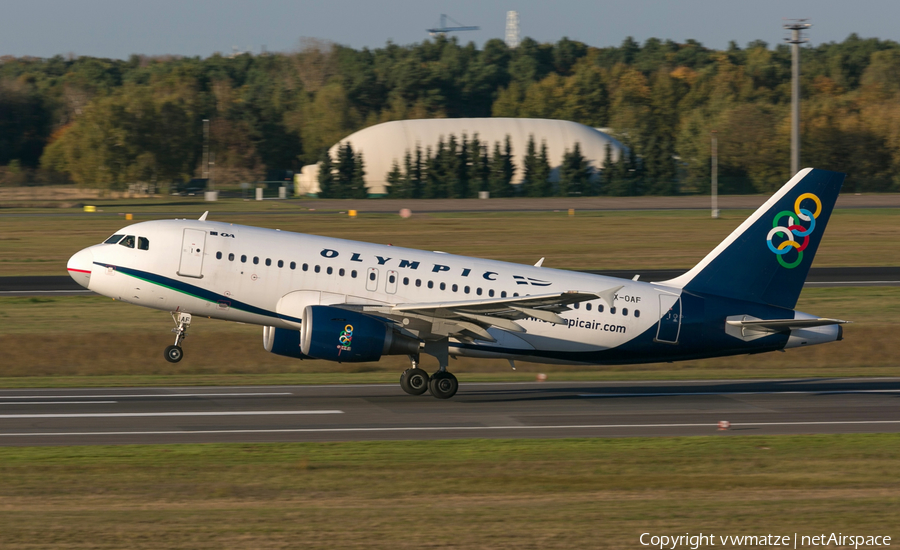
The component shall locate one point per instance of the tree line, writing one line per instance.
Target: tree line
(107, 122)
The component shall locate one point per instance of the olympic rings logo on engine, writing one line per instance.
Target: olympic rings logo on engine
(345, 339)
(793, 231)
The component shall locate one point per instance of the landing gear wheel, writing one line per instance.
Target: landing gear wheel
(414, 381)
(443, 385)
(174, 354)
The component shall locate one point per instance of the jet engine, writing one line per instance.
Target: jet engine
(344, 336)
(283, 341)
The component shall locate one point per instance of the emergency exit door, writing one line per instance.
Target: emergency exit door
(192, 246)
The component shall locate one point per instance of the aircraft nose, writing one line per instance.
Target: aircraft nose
(80, 266)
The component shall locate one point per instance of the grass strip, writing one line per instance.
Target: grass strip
(93, 341)
(573, 493)
(590, 240)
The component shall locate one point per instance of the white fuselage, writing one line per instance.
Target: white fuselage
(266, 277)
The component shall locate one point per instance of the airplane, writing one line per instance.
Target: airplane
(347, 301)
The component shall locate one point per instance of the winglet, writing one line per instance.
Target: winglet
(610, 294)
(203, 217)
(539, 263)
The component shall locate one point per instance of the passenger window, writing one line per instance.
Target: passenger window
(114, 239)
(256, 260)
(391, 279)
(587, 307)
(612, 310)
(372, 276)
(330, 270)
(577, 305)
(466, 290)
(491, 293)
(353, 274)
(637, 313)
(625, 311)
(503, 294)
(478, 291)
(293, 265)
(418, 282)
(243, 258)
(600, 308)
(231, 257)
(144, 243)
(305, 267)
(454, 288)
(218, 255)
(128, 241)
(268, 261)
(341, 272)
(430, 284)
(317, 269)
(280, 263)
(405, 280)
(443, 286)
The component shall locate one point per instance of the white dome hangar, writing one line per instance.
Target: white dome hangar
(383, 144)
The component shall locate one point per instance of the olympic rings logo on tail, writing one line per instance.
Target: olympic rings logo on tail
(345, 339)
(793, 231)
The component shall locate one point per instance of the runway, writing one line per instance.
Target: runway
(63, 285)
(480, 410)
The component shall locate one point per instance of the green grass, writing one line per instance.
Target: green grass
(94, 341)
(575, 493)
(591, 240)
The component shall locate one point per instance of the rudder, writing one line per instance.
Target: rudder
(767, 258)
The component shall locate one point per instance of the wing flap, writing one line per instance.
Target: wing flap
(472, 318)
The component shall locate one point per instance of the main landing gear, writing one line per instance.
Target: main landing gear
(183, 321)
(442, 384)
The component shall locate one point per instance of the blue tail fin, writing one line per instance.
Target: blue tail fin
(766, 259)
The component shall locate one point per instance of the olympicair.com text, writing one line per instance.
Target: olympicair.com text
(687, 540)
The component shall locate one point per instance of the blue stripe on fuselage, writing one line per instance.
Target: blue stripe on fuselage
(197, 292)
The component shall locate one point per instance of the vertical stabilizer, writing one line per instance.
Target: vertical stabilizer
(767, 258)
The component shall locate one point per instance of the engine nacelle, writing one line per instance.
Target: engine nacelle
(344, 336)
(282, 341)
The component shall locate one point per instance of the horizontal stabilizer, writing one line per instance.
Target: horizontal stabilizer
(782, 325)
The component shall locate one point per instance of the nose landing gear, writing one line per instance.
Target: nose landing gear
(174, 353)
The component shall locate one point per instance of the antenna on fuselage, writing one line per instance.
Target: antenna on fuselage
(203, 217)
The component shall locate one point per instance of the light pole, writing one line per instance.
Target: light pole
(796, 26)
(715, 175)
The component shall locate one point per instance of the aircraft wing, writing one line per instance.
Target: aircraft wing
(469, 319)
(782, 325)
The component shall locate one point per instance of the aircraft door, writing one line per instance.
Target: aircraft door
(372, 279)
(670, 319)
(192, 246)
(391, 285)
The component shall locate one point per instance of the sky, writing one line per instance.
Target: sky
(119, 28)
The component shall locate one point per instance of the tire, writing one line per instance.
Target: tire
(443, 385)
(174, 354)
(414, 381)
(403, 385)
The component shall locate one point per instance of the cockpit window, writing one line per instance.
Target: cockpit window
(143, 243)
(114, 239)
(128, 241)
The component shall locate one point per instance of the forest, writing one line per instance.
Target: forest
(106, 123)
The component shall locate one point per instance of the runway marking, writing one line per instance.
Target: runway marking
(248, 394)
(860, 283)
(180, 413)
(455, 428)
(774, 392)
(58, 402)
